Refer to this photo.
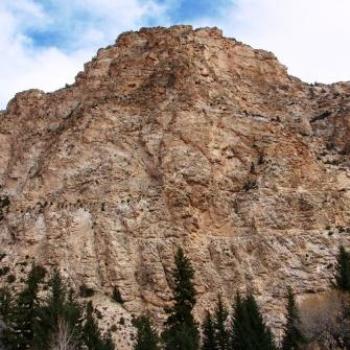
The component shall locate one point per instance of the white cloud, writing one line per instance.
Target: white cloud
(24, 65)
(108, 18)
(311, 37)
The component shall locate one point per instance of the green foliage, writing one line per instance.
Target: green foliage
(342, 276)
(293, 339)
(181, 332)
(215, 333)
(116, 296)
(59, 313)
(261, 334)
(21, 318)
(240, 328)
(91, 333)
(249, 331)
(147, 336)
(54, 322)
(5, 304)
(208, 339)
(221, 332)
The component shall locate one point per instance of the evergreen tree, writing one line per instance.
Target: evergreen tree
(56, 322)
(241, 334)
(221, 333)
(343, 270)
(209, 342)
(293, 338)
(59, 318)
(5, 311)
(147, 337)
(5, 304)
(181, 332)
(249, 331)
(19, 332)
(92, 336)
(262, 335)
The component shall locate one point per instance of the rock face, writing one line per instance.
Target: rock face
(179, 137)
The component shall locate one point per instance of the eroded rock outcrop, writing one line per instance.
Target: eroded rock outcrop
(179, 137)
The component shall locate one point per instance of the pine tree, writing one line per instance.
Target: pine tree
(209, 342)
(221, 333)
(59, 318)
(241, 334)
(181, 332)
(91, 332)
(52, 323)
(249, 331)
(20, 331)
(147, 336)
(92, 336)
(262, 335)
(343, 270)
(293, 338)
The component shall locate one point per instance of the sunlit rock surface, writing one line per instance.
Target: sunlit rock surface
(178, 137)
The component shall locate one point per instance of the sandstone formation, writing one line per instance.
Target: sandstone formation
(179, 137)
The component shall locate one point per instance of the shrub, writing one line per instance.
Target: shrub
(11, 278)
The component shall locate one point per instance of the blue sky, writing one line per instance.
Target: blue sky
(44, 43)
(66, 19)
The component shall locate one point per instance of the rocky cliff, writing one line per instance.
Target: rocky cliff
(179, 137)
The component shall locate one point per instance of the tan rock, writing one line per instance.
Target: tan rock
(180, 137)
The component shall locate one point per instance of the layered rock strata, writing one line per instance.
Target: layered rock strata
(179, 137)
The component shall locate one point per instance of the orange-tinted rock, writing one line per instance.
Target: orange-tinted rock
(180, 137)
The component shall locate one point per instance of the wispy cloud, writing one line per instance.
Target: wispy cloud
(44, 43)
(82, 23)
